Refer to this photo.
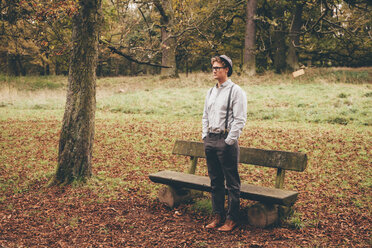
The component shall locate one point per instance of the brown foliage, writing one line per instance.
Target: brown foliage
(333, 204)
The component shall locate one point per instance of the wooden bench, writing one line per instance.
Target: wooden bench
(269, 197)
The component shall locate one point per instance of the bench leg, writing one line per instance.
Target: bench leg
(284, 212)
(172, 196)
(263, 215)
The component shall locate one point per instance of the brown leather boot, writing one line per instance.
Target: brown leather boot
(216, 222)
(228, 226)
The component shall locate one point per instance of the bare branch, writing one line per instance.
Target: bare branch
(206, 38)
(230, 22)
(162, 12)
(128, 57)
(147, 24)
(338, 26)
(325, 12)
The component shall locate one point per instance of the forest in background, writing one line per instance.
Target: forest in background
(147, 36)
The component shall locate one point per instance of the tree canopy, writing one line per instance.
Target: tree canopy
(36, 35)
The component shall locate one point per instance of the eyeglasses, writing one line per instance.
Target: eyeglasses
(217, 68)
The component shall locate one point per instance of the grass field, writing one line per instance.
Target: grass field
(327, 114)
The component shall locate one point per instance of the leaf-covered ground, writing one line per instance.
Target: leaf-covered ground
(118, 206)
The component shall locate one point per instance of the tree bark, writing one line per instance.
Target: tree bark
(262, 215)
(47, 66)
(294, 38)
(249, 61)
(13, 69)
(168, 43)
(21, 67)
(279, 42)
(168, 58)
(77, 134)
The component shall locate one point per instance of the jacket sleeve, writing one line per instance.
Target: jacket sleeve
(239, 107)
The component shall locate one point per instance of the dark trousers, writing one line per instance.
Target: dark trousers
(222, 162)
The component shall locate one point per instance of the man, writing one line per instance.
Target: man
(224, 117)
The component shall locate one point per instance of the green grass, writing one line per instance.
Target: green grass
(32, 83)
(284, 102)
(202, 206)
(349, 76)
(320, 97)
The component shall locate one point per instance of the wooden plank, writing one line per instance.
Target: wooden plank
(189, 148)
(269, 158)
(276, 159)
(194, 162)
(179, 180)
(298, 73)
(279, 180)
(248, 191)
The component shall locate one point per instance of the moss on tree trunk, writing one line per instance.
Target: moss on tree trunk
(77, 134)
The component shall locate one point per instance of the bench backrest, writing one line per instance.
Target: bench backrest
(295, 161)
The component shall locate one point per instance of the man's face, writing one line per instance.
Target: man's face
(219, 73)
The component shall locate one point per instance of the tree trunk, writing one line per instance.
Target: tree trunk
(57, 67)
(13, 69)
(249, 63)
(21, 67)
(168, 43)
(168, 54)
(279, 42)
(262, 215)
(294, 39)
(77, 134)
(187, 66)
(47, 67)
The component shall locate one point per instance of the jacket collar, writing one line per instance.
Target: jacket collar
(225, 84)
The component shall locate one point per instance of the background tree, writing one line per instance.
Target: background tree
(341, 36)
(294, 35)
(278, 36)
(168, 42)
(77, 135)
(34, 35)
(250, 39)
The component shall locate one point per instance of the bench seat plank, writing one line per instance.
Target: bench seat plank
(248, 191)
